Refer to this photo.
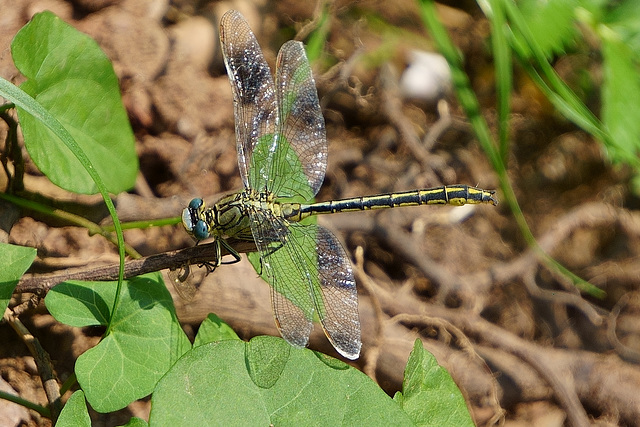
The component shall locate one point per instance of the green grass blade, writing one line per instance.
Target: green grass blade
(504, 74)
(26, 403)
(556, 90)
(471, 106)
(318, 38)
(551, 22)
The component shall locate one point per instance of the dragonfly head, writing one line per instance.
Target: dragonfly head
(193, 220)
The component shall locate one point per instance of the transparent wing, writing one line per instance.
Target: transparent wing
(282, 150)
(338, 296)
(182, 283)
(254, 98)
(299, 164)
(309, 272)
(280, 132)
(291, 298)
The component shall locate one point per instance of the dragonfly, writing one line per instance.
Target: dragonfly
(282, 157)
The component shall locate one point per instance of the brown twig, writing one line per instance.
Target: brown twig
(43, 361)
(336, 78)
(199, 254)
(588, 215)
(627, 353)
(374, 351)
(408, 248)
(556, 375)
(392, 108)
(593, 313)
(439, 126)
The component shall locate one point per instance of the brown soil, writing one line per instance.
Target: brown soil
(523, 345)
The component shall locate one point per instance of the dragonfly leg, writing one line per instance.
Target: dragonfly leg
(229, 249)
(271, 251)
(182, 272)
(210, 266)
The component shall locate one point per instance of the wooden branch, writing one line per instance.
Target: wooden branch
(43, 362)
(200, 254)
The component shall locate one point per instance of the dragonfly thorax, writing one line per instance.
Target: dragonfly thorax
(260, 201)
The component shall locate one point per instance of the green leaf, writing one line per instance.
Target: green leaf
(266, 359)
(624, 18)
(72, 78)
(74, 413)
(210, 385)
(429, 395)
(620, 94)
(81, 304)
(15, 261)
(136, 422)
(145, 339)
(213, 329)
(552, 23)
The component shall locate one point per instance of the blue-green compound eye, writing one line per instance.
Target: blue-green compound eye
(200, 230)
(195, 203)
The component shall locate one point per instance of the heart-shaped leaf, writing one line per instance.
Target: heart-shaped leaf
(145, 337)
(70, 76)
(213, 385)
